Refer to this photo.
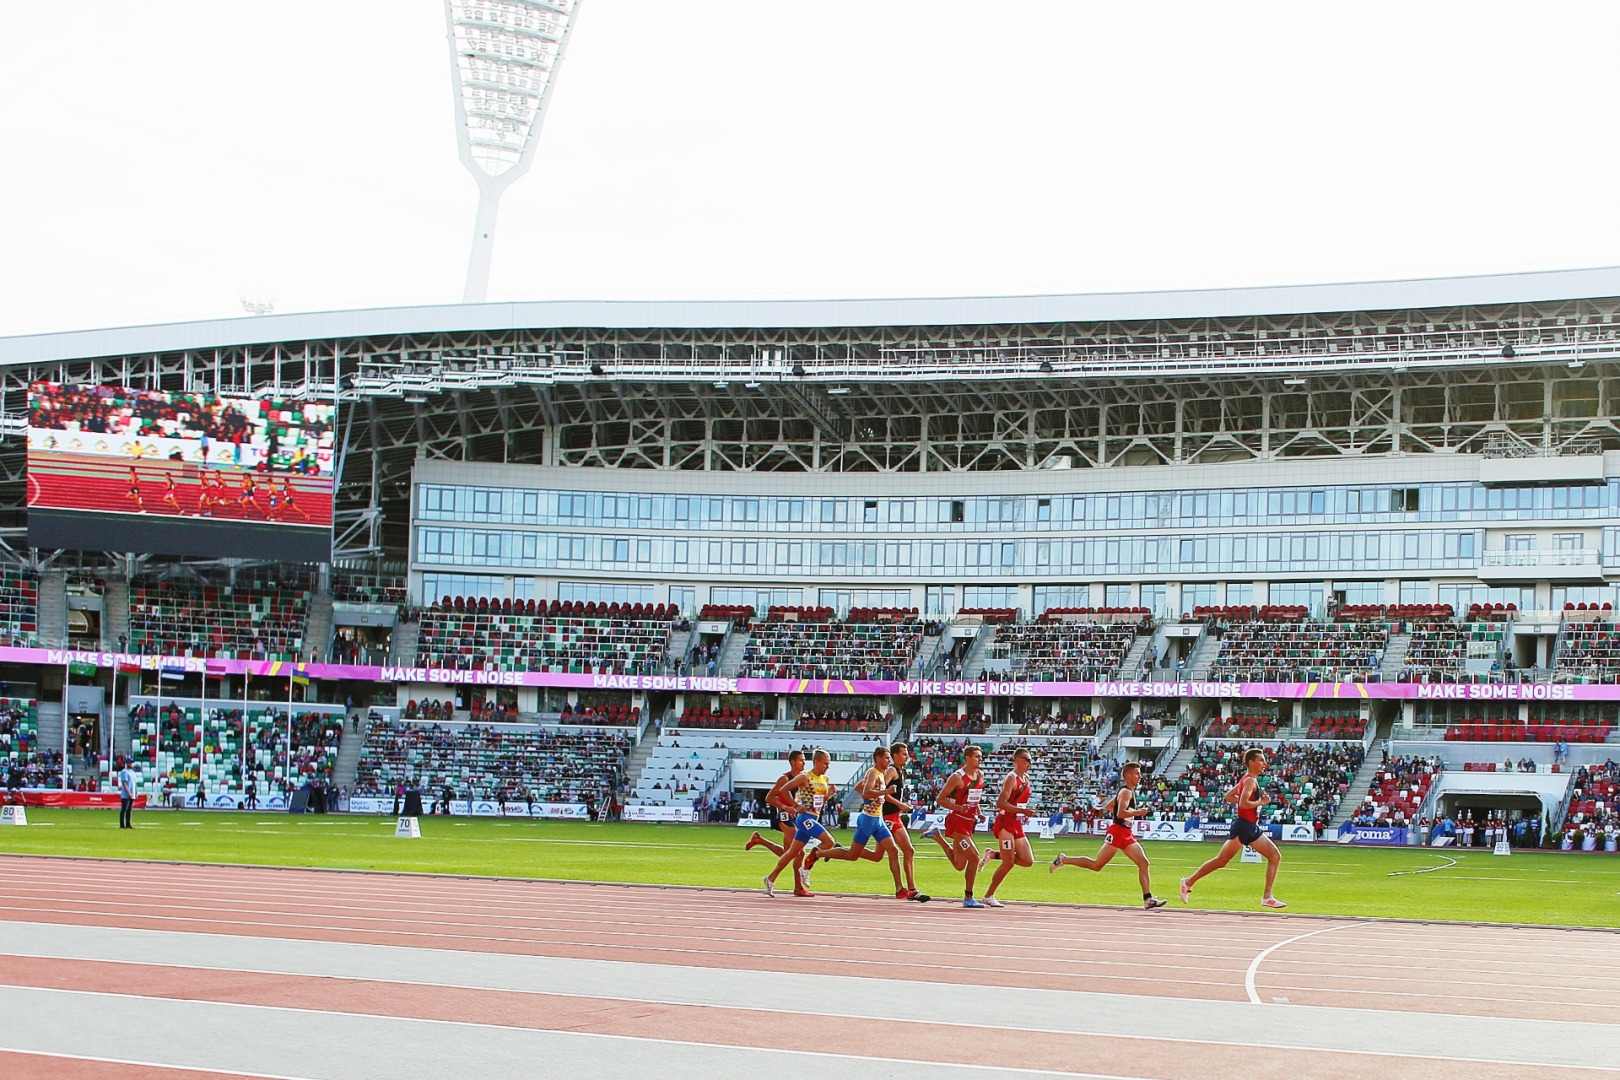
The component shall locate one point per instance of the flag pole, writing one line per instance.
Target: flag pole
(289, 741)
(67, 673)
(245, 677)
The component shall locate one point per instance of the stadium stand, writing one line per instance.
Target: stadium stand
(1243, 727)
(1281, 645)
(359, 587)
(726, 718)
(1306, 782)
(989, 615)
(1065, 724)
(189, 749)
(1059, 775)
(261, 621)
(1594, 800)
(952, 724)
(1073, 644)
(583, 638)
(1336, 727)
(1588, 647)
(1439, 650)
(742, 613)
(1397, 791)
(488, 762)
(23, 762)
(587, 716)
(19, 608)
(1590, 729)
(867, 644)
(846, 720)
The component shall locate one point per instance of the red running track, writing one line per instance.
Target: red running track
(1443, 969)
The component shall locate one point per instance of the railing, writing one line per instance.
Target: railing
(1568, 557)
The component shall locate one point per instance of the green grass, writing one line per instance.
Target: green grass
(1323, 879)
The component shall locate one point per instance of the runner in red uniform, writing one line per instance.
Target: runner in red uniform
(959, 798)
(1012, 807)
(1120, 837)
(1246, 832)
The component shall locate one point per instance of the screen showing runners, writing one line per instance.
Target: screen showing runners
(112, 468)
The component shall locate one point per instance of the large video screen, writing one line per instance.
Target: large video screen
(112, 468)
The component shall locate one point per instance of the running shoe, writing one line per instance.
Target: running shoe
(803, 892)
(1186, 892)
(931, 832)
(1057, 863)
(770, 887)
(1153, 902)
(921, 897)
(753, 841)
(984, 860)
(804, 878)
(902, 894)
(991, 901)
(1272, 902)
(972, 903)
(810, 858)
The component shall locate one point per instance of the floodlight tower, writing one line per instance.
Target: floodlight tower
(504, 56)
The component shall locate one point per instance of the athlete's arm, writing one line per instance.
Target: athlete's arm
(871, 785)
(1126, 810)
(891, 773)
(945, 800)
(788, 788)
(776, 798)
(1004, 801)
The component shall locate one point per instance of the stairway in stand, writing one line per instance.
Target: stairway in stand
(53, 609)
(317, 642)
(348, 759)
(1362, 781)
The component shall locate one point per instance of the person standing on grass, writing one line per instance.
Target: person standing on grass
(1246, 832)
(126, 796)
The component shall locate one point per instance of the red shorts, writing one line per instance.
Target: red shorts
(895, 822)
(1008, 823)
(957, 825)
(1120, 836)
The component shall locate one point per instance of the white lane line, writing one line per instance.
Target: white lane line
(145, 1064)
(1254, 965)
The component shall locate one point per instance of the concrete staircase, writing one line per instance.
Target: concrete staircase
(1203, 657)
(348, 759)
(53, 610)
(637, 761)
(731, 655)
(318, 627)
(1394, 657)
(1362, 781)
(115, 612)
(928, 655)
(402, 644)
(973, 660)
(1178, 764)
(677, 645)
(1131, 666)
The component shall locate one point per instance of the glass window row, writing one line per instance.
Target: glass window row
(1327, 552)
(1155, 510)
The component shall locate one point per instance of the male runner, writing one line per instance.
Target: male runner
(289, 502)
(896, 808)
(1246, 832)
(171, 494)
(869, 826)
(782, 808)
(246, 500)
(960, 799)
(1120, 837)
(134, 495)
(809, 792)
(1012, 807)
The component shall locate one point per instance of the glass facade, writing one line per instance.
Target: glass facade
(1221, 508)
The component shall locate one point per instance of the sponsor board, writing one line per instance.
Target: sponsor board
(756, 823)
(1365, 834)
(682, 814)
(1297, 834)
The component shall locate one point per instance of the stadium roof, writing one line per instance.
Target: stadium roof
(1399, 295)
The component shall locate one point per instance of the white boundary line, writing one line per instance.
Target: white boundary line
(1254, 965)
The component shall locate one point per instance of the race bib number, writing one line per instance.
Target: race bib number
(973, 796)
(817, 800)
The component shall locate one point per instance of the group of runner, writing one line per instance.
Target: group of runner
(799, 795)
(216, 492)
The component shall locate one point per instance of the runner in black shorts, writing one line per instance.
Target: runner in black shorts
(1246, 832)
(784, 817)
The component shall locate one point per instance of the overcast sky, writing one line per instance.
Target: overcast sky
(161, 160)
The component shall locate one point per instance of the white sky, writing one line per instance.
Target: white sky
(160, 160)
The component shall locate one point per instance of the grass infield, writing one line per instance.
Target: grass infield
(1548, 888)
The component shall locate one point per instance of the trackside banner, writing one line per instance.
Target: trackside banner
(949, 688)
(1363, 834)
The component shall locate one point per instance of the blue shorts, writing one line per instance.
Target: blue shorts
(868, 828)
(1246, 832)
(807, 828)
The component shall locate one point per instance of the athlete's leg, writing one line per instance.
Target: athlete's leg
(954, 850)
(888, 848)
(908, 855)
(1006, 844)
(1104, 857)
(790, 855)
(1273, 858)
(970, 861)
(1023, 854)
(771, 846)
(1228, 851)
(1139, 857)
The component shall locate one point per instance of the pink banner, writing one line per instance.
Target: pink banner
(77, 799)
(949, 688)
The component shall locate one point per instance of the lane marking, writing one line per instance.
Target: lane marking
(1254, 965)
(145, 1064)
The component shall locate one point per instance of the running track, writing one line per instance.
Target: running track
(158, 972)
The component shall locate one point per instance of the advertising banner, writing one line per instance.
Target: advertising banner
(1364, 834)
(75, 799)
(659, 813)
(1296, 834)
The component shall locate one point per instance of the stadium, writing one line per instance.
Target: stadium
(683, 688)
